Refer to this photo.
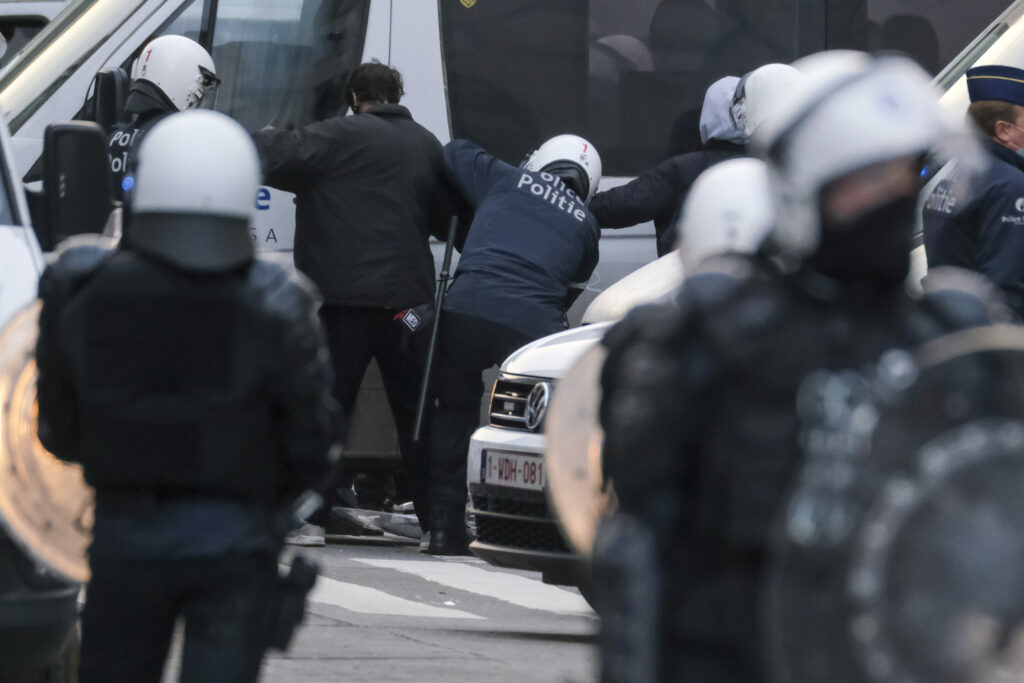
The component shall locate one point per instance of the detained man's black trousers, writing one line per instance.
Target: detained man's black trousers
(468, 346)
(354, 336)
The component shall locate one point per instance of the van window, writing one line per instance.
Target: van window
(281, 62)
(629, 76)
(287, 67)
(17, 31)
(26, 80)
(933, 32)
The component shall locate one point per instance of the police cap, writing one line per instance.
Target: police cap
(1002, 83)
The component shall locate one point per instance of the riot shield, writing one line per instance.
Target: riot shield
(899, 556)
(572, 459)
(45, 505)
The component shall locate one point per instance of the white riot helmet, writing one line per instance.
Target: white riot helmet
(759, 92)
(848, 112)
(728, 209)
(194, 194)
(571, 158)
(178, 67)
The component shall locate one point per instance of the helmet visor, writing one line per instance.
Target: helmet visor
(208, 79)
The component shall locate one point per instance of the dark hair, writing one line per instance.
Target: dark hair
(374, 82)
(986, 113)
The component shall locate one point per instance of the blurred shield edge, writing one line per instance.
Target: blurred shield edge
(45, 505)
(899, 555)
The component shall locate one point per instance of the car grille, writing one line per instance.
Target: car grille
(508, 401)
(515, 519)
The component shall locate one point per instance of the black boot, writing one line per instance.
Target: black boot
(448, 542)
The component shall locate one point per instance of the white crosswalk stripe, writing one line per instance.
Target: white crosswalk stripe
(356, 598)
(517, 590)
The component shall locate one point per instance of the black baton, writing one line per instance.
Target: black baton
(442, 289)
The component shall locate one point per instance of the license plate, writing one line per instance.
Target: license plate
(514, 470)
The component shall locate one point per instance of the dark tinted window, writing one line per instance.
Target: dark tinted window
(284, 62)
(931, 31)
(281, 62)
(17, 31)
(630, 76)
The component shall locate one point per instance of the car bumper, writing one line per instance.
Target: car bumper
(515, 528)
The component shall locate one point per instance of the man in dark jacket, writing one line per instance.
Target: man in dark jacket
(172, 74)
(531, 238)
(369, 193)
(977, 222)
(733, 110)
(191, 383)
(657, 193)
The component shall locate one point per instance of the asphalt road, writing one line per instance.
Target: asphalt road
(382, 611)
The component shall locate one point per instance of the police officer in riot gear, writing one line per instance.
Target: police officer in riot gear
(978, 225)
(698, 408)
(531, 238)
(192, 383)
(171, 74)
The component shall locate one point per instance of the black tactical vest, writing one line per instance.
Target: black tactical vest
(172, 371)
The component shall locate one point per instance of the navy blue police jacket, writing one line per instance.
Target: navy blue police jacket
(980, 224)
(531, 236)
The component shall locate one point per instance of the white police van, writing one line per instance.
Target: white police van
(629, 76)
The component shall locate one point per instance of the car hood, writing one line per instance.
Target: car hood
(649, 284)
(552, 356)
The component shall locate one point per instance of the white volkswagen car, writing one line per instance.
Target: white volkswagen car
(505, 470)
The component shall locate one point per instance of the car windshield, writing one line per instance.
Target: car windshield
(1001, 43)
(61, 47)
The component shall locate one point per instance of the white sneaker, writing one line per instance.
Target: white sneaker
(306, 535)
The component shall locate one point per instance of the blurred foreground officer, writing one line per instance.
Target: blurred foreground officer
(531, 238)
(192, 384)
(981, 227)
(171, 74)
(369, 194)
(699, 407)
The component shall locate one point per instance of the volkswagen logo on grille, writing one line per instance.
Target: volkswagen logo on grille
(537, 404)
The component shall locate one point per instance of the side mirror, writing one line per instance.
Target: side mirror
(76, 182)
(110, 93)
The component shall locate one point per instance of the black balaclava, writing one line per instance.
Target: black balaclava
(572, 174)
(146, 97)
(872, 248)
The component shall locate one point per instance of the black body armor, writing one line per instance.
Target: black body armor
(162, 379)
